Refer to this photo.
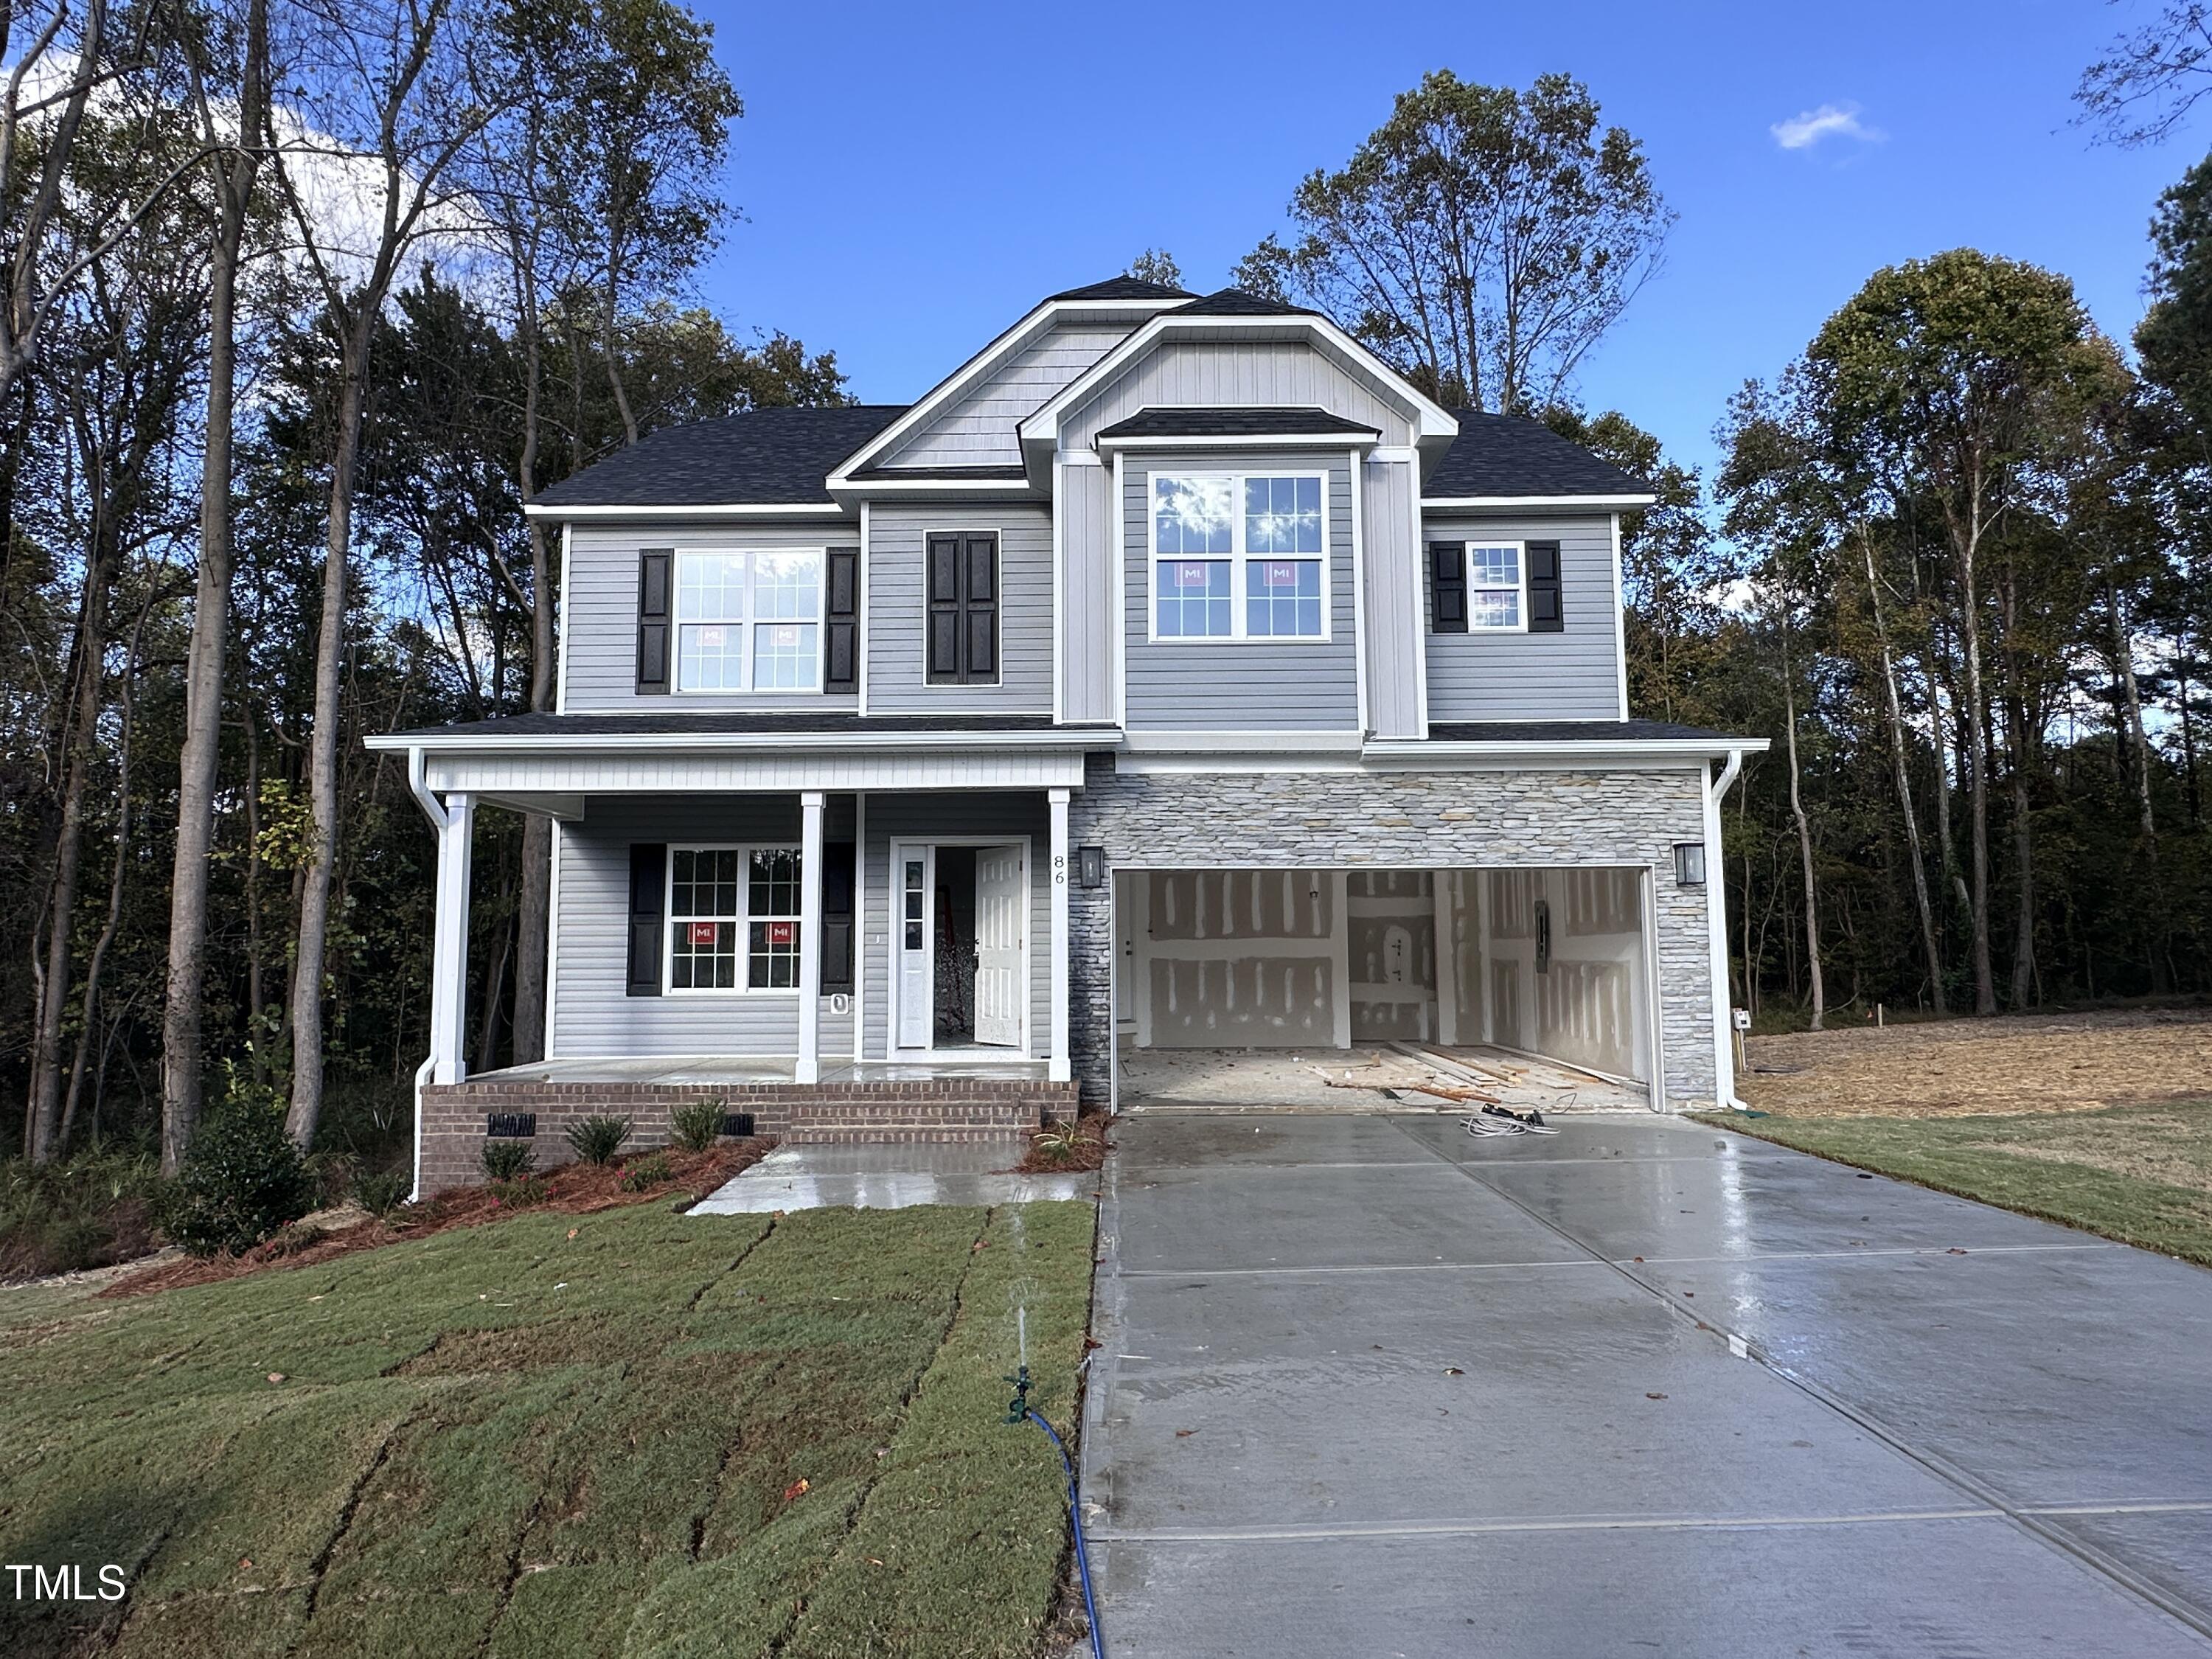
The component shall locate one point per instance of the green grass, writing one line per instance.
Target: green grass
(2139, 1174)
(507, 1441)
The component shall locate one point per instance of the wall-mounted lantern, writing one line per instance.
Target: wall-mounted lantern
(1690, 863)
(1091, 867)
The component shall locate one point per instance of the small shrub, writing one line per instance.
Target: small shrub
(647, 1173)
(1059, 1143)
(508, 1160)
(521, 1194)
(696, 1124)
(241, 1180)
(383, 1191)
(597, 1139)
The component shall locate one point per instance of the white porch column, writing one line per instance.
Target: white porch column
(1061, 1066)
(809, 1069)
(449, 942)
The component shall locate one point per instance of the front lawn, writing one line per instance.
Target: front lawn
(2140, 1174)
(633, 1432)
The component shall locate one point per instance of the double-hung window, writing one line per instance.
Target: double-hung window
(1494, 586)
(1239, 556)
(733, 918)
(749, 622)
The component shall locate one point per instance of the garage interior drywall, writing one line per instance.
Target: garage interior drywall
(1552, 962)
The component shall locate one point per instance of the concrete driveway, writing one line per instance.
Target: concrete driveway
(1373, 1387)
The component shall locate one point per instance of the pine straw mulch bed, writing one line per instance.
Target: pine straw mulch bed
(1050, 1154)
(568, 1189)
(2014, 1063)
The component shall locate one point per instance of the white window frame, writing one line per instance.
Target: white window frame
(677, 622)
(1520, 565)
(1239, 558)
(742, 920)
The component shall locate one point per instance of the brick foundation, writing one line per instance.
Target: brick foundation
(960, 1109)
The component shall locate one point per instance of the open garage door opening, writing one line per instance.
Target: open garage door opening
(1352, 989)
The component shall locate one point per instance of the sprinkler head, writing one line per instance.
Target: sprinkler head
(1017, 1408)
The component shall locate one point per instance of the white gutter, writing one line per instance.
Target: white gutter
(698, 510)
(937, 742)
(1419, 751)
(1589, 503)
(436, 811)
(1716, 912)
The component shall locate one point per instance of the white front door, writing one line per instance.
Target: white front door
(911, 946)
(1002, 897)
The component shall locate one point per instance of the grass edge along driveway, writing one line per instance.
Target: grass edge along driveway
(2022, 1163)
(564, 1435)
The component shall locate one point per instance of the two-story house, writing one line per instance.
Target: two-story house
(1173, 675)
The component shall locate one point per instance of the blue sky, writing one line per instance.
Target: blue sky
(915, 177)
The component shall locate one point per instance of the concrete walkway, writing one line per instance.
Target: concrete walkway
(1373, 1387)
(887, 1177)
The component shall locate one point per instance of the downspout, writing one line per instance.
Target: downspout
(436, 811)
(1716, 915)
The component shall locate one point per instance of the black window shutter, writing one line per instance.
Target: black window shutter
(838, 888)
(1546, 613)
(652, 582)
(943, 577)
(841, 668)
(980, 607)
(1446, 587)
(648, 869)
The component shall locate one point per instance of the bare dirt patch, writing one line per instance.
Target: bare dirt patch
(2062, 1062)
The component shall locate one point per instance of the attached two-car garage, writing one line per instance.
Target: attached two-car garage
(1223, 975)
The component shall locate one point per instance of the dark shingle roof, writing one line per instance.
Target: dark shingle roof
(1125, 288)
(1507, 455)
(1570, 731)
(801, 723)
(1236, 302)
(770, 456)
(1159, 423)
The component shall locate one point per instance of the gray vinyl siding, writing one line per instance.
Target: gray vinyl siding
(1003, 815)
(592, 1016)
(896, 609)
(1392, 598)
(1239, 685)
(1089, 571)
(1235, 371)
(977, 430)
(1574, 674)
(599, 611)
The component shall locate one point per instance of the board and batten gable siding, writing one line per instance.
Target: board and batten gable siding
(1089, 567)
(897, 616)
(592, 1016)
(1235, 372)
(1239, 685)
(977, 429)
(1573, 675)
(1392, 604)
(971, 816)
(598, 612)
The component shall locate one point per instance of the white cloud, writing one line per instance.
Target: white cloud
(1803, 132)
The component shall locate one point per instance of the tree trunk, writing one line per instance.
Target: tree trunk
(534, 901)
(2023, 853)
(1898, 756)
(80, 741)
(323, 748)
(1804, 849)
(198, 759)
(1969, 638)
(2124, 665)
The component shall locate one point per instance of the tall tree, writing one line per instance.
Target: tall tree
(2150, 77)
(1481, 240)
(228, 74)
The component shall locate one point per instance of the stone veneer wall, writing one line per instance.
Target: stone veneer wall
(939, 1109)
(1376, 819)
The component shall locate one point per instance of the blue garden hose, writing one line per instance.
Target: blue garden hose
(1017, 1409)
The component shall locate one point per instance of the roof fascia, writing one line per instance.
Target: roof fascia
(1025, 329)
(1071, 739)
(1417, 753)
(1363, 440)
(831, 509)
(1589, 503)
